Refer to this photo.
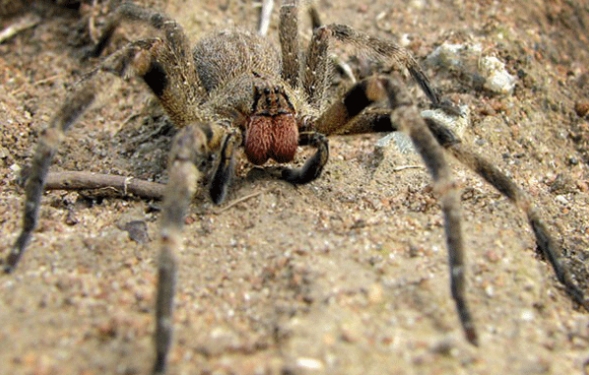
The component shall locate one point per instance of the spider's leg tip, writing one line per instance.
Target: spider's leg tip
(585, 304)
(472, 336)
(159, 367)
(289, 175)
(8, 268)
(218, 194)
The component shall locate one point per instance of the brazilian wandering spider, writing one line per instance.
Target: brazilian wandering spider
(269, 107)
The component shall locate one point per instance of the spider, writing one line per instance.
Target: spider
(234, 89)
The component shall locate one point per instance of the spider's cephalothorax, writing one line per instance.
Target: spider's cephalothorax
(234, 89)
(240, 72)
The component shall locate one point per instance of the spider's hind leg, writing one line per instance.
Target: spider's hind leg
(132, 12)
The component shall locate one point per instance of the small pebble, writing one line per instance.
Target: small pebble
(582, 107)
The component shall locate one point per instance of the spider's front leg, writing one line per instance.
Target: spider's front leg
(86, 93)
(348, 116)
(409, 120)
(506, 186)
(34, 187)
(190, 158)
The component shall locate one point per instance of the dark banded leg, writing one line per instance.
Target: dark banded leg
(406, 115)
(175, 53)
(49, 142)
(340, 117)
(374, 120)
(335, 120)
(188, 157)
(178, 86)
(508, 188)
(88, 91)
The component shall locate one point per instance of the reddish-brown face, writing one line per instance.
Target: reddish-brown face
(271, 131)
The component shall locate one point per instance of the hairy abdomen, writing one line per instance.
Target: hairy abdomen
(228, 54)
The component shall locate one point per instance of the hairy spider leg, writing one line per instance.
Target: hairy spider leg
(76, 104)
(407, 117)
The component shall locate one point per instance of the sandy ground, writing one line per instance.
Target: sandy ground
(346, 275)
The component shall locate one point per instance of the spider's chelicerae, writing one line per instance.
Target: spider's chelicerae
(234, 89)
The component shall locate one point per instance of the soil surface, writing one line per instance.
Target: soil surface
(345, 275)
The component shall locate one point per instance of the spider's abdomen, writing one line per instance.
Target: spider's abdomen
(228, 54)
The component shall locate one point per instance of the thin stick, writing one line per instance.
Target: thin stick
(36, 83)
(124, 186)
(265, 14)
(239, 200)
(403, 167)
(24, 23)
(92, 23)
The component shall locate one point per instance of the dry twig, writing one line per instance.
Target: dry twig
(265, 14)
(240, 200)
(124, 186)
(403, 167)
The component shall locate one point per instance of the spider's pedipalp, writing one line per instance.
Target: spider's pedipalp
(344, 116)
(224, 169)
(314, 165)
